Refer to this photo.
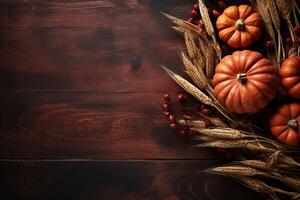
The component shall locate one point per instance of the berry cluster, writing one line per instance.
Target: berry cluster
(270, 45)
(195, 13)
(183, 129)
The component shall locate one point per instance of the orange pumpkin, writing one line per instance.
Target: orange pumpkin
(285, 124)
(290, 76)
(239, 26)
(245, 81)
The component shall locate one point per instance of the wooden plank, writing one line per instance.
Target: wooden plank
(91, 125)
(88, 45)
(98, 59)
(89, 13)
(116, 180)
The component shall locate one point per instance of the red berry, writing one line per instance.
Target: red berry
(166, 107)
(196, 6)
(194, 14)
(298, 40)
(222, 4)
(173, 125)
(196, 22)
(201, 24)
(167, 114)
(297, 30)
(288, 40)
(172, 118)
(205, 111)
(191, 131)
(167, 97)
(207, 122)
(269, 44)
(216, 13)
(181, 98)
(182, 132)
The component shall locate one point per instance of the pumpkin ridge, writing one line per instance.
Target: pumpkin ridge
(229, 98)
(282, 136)
(241, 88)
(249, 21)
(236, 102)
(288, 83)
(228, 12)
(225, 87)
(256, 31)
(265, 69)
(248, 101)
(222, 84)
(278, 130)
(221, 69)
(259, 99)
(245, 11)
(234, 64)
(221, 24)
(223, 78)
(264, 103)
(295, 94)
(269, 96)
(252, 61)
(243, 61)
(227, 37)
(222, 96)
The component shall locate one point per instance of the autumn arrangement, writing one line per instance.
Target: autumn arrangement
(243, 69)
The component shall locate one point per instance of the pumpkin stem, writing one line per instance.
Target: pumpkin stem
(240, 25)
(293, 123)
(242, 77)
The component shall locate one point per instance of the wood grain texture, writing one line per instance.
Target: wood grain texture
(134, 180)
(80, 96)
(90, 125)
(88, 45)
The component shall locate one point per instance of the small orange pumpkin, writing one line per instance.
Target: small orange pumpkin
(285, 124)
(245, 81)
(239, 26)
(290, 76)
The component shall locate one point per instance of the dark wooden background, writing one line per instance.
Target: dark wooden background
(80, 104)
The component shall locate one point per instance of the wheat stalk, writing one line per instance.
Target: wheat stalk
(184, 26)
(260, 186)
(210, 58)
(271, 6)
(203, 138)
(197, 75)
(217, 122)
(266, 18)
(234, 171)
(285, 12)
(209, 27)
(190, 88)
(225, 144)
(198, 124)
(222, 133)
(258, 164)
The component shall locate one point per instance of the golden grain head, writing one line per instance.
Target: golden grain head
(235, 171)
(190, 88)
(225, 144)
(217, 122)
(254, 163)
(224, 133)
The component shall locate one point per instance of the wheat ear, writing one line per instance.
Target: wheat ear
(209, 27)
